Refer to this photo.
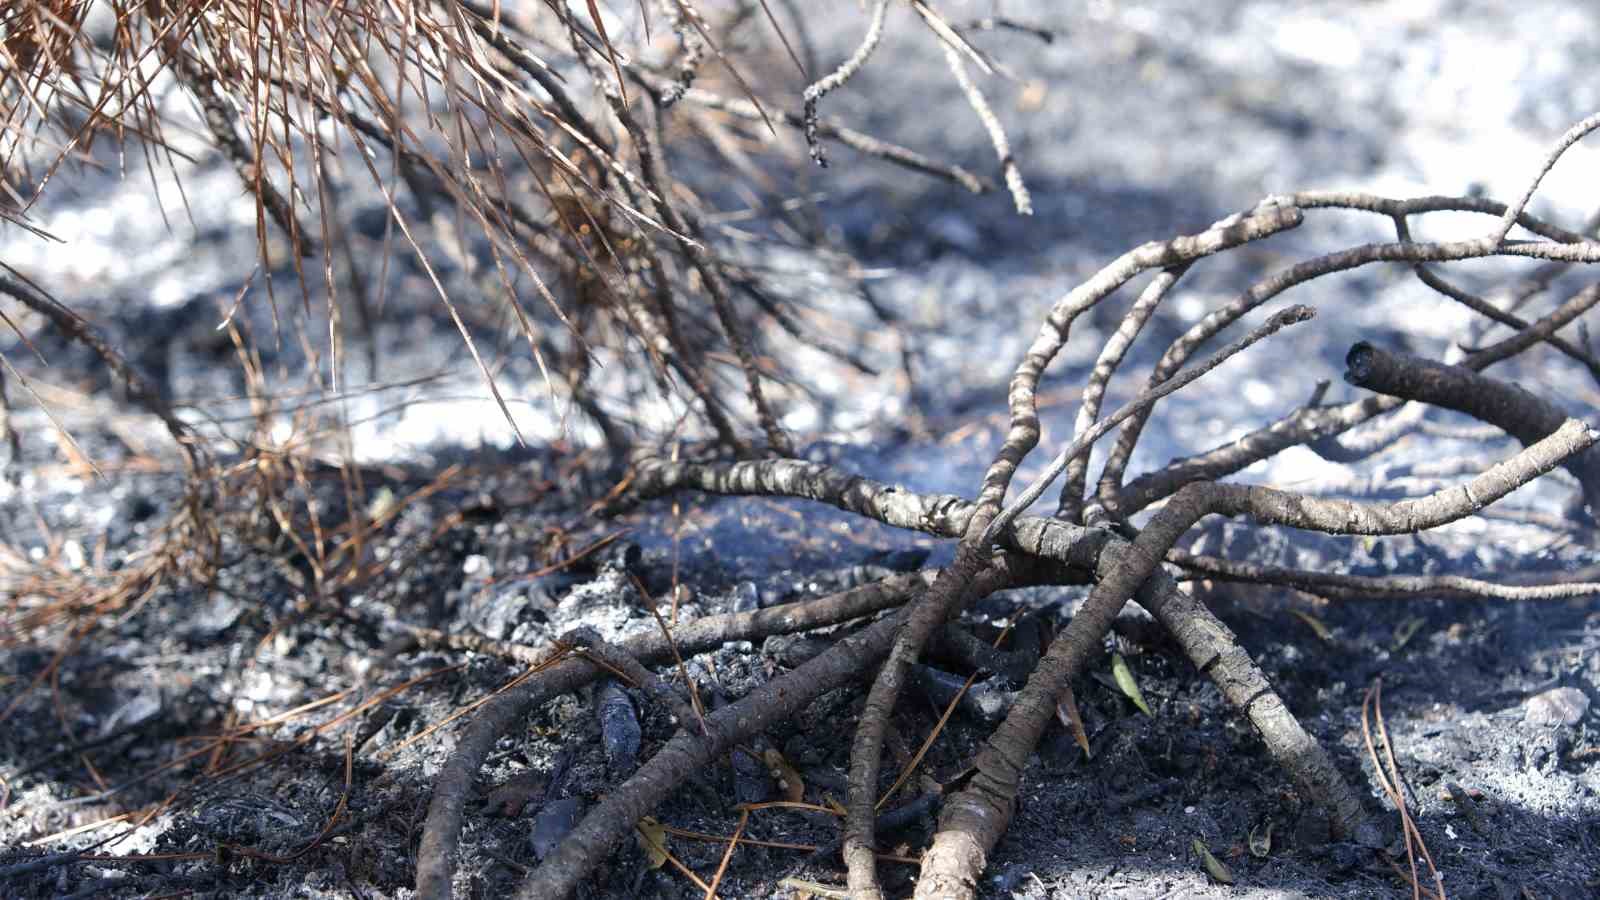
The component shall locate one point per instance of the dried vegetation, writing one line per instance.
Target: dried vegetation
(545, 145)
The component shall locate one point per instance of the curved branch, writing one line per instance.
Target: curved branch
(690, 751)
(442, 828)
(836, 79)
(1207, 643)
(974, 819)
(1070, 506)
(1508, 406)
(1574, 134)
(1580, 250)
(950, 593)
(1365, 587)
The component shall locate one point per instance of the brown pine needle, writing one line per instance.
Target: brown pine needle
(722, 867)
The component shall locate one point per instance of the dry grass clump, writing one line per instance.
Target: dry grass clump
(562, 156)
(557, 157)
(553, 152)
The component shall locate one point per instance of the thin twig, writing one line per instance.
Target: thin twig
(836, 79)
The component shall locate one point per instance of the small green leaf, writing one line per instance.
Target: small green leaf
(1126, 682)
(382, 504)
(1407, 630)
(1214, 866)
(1316, 625)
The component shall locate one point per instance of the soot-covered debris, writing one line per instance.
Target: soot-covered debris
(1138, 122)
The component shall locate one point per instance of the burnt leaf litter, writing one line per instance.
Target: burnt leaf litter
(1489, 705)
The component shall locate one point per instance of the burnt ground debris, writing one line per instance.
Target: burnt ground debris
(1466, 683)
(1464, 692)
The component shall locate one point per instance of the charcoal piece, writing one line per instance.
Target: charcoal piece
(554, 822)
(620, 733)
(986, 700)
(794, 650)
(908, 560)
(746, 597)
(1028, 640)
(963, 651)
(626, 555)
(923, 809)
(751, 781)
(955, 645)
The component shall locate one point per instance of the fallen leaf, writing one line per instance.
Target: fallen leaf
(653, 838)
(1127, 684)
(1406, 631)
(1067, 712)
(790, 784)
(1214, 866)
(1316, 625)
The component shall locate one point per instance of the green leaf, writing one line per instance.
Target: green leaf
(1316, 625)
(1214, 866)
(1126, 682)
(1407, 630)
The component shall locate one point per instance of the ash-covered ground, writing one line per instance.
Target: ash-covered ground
(1137, 122)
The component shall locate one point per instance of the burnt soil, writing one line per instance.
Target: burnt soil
(1465, 701)
(1156, 119)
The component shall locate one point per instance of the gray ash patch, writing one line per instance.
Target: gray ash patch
(1120, 822)
(1157, 118)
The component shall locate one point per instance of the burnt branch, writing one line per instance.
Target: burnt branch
(220, 121)
(838, 77)
(1080, 444)
(1207, 643)
(991, 124)
(453, 785)
(1317, 426)
(588, 642)
(827, 128)
(139, 387)
(951, 592)
(687, 233)
(1574, 134)
(1488, 310)
(1377, 587)
(1522, 415)
(1111, 355)
(974, 819)
(688, 752)
(1578, 249)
